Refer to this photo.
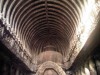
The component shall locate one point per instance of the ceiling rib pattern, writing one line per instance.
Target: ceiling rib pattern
(39, 23)
(64, 25)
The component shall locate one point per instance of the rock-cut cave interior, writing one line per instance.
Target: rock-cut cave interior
(49, 37)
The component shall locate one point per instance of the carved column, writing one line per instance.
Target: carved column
(98, 66)
(92, 68)
(5, 71)
(17, 71)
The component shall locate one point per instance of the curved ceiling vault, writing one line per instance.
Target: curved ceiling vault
(39, 23)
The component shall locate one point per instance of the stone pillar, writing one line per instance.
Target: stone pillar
(86, 68)
(5, 71)
(92, 68)
(79, 72)
(17, 71)
(76, 73)
(11, 69)
(87, 71)
(82, 71)
(98, 66)
(20, 73)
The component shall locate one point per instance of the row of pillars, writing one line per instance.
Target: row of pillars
(91, 67)
(9, 68)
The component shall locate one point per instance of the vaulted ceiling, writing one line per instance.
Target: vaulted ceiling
(37, 24)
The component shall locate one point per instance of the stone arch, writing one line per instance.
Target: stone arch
(50, 65)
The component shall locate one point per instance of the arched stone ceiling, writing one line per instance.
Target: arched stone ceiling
(40, 23)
